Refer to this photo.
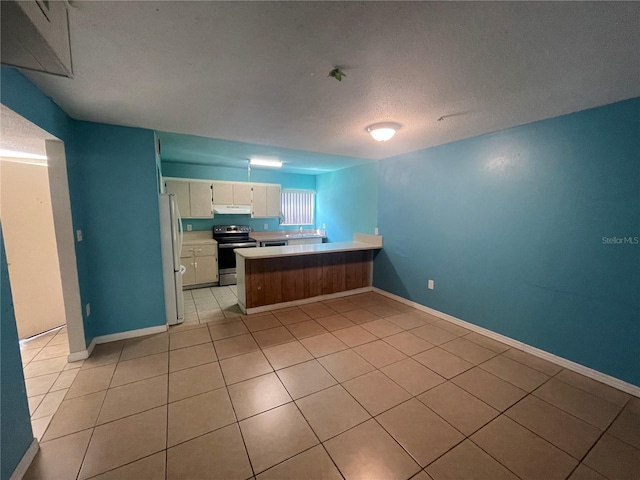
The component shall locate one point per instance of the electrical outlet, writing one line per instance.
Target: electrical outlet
(266, 226)
(87, 308)
(375, 231)
(189, 227)
(430, 284)
(79, 235)
(324, 226)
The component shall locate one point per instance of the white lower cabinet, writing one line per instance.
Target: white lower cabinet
(201, 263)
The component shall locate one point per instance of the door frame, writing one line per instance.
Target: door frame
(65, 241)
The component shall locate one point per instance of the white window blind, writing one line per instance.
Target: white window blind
(298, 207)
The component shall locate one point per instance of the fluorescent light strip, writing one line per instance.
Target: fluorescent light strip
(265, 163)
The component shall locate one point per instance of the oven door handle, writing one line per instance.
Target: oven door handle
(237, 245)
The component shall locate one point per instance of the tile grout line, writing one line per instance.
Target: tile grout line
(602, 434)
(474, 365)
(237, 422)
(166, 431)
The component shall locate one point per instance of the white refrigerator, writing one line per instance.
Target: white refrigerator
(171, 242)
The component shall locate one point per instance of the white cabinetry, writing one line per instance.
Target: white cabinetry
(201, 263)
(229, 193)
(242, 194)
(201, 199)
(195, 199)
(265, 201)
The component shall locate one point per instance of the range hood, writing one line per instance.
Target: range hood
(232, 209)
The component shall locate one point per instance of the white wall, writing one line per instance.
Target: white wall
(27, 225)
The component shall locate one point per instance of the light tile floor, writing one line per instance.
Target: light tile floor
(48, 376)
(360, 387)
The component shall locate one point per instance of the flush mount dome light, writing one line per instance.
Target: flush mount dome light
(383, 131)
(266, 162)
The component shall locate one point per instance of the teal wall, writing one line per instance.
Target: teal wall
(113, 188)
(113, 191)
(15, 426)
(347, 201)
(24, 98)
(196, 150)
(510, 226)
(294, 181)
(122, 227)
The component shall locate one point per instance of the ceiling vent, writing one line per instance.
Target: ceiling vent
(35, 36)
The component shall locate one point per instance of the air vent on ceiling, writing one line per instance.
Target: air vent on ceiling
(35, 36)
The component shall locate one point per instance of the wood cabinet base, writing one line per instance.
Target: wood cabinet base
(269, 281)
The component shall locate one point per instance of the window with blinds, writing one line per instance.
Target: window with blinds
(298, 207)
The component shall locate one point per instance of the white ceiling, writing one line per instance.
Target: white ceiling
(18, 134)
(257, 71)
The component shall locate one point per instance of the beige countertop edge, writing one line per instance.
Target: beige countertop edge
(268, 236)
(294, 250)
(202, 241)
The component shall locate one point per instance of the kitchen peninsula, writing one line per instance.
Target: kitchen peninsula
(270, 276)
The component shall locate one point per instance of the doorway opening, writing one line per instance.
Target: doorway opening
(35, 213)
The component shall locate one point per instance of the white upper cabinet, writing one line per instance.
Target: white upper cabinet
(222, 193)
(229, 193)
(242, 194)
(195, 199)
(273, 201)
(181, 191)
(200, 195)
(266, 201)
(259, 203)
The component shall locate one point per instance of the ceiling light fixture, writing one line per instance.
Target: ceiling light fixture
(264, 162)
(383, 131)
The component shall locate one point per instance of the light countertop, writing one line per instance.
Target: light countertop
(286, 235)
(198, 238)
(294, 250)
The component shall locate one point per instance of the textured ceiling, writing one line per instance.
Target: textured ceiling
(257, 71)
(20, 135)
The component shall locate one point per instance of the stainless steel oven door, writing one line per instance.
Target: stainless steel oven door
(227, 261)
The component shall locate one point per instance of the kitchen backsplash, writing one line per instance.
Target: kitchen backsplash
(257, 224)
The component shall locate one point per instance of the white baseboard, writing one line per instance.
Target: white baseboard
(562, 362)
(82, 354)
(293, 303)
(26, 460)
(114, 337)
(141, 332)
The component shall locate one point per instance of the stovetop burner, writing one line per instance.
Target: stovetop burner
(231, 233)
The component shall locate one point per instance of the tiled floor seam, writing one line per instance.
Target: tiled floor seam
(407, 451)
(166, 433)
(540, 436)
(580, 462)
(498, 461)
(292, 456)
(244, 443)
(114, 372)
(589, 392)
(93, 430)
(604, 430)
